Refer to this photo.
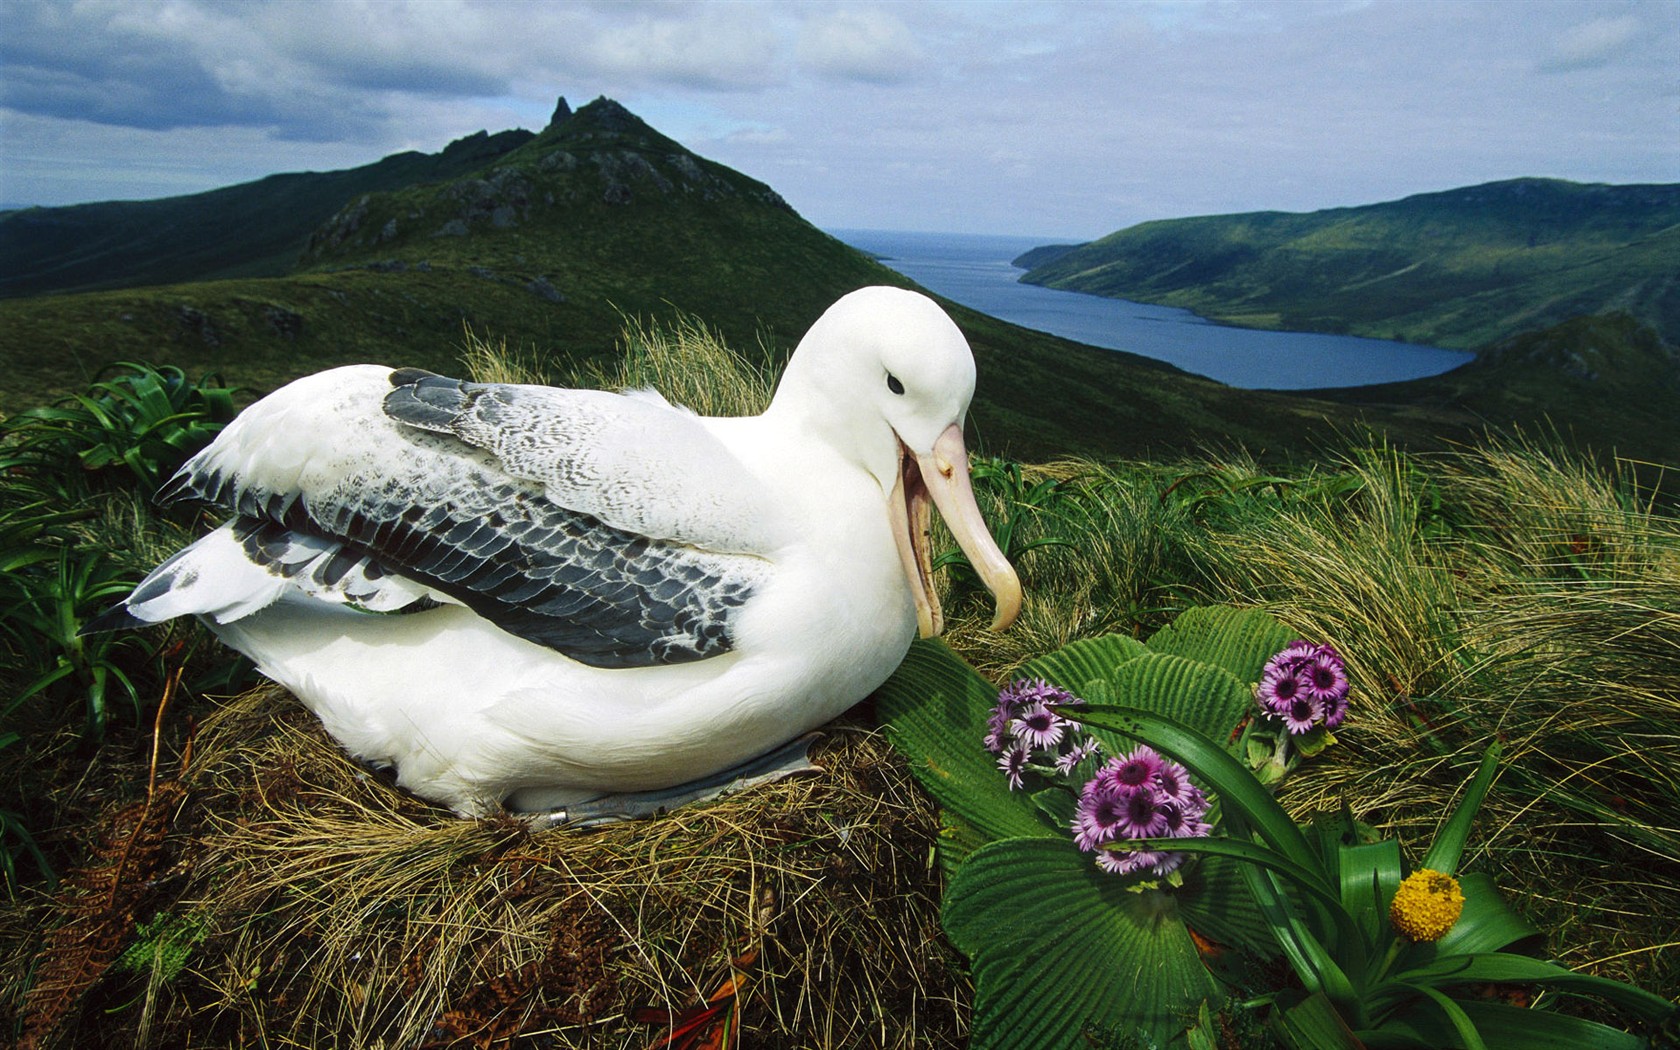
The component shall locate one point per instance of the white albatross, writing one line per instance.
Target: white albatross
(531, 596)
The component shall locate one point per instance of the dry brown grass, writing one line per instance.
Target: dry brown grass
(339, 912)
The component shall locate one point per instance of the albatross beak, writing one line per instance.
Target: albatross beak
(942, 475)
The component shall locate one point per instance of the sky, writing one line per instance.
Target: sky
(1031, 117)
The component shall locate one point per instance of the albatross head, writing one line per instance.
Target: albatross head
(885, 377)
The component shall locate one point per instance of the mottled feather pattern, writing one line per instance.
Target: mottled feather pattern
(574, 443)
(452, 518)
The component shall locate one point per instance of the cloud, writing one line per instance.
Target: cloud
(1591, 45)
(866, 45)
(720, 47)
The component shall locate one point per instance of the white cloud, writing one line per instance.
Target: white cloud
(1591, 45)
(862, 44)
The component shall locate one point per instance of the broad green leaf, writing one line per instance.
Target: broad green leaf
(1059, 946)
(1086, 666)
(935, 708)
(1215, 902)
(1239, 640)
(1448, 846)
(1202, 697)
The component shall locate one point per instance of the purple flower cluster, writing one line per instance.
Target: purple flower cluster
(1139, 796)
(1305, 685)
(1025, 731)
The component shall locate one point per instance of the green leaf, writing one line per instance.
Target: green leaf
(1059, 946)
(1505, 968)
(935, 707)
(1084, 667)
(1239, 640)
(1505, 1027)
(1487, 923)
(1448, 847)
(1314, 1023)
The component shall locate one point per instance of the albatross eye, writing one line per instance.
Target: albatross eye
(893, 384)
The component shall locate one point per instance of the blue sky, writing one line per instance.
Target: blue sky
(1060, 120)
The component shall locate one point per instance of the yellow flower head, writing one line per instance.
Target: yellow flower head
(1426, 905)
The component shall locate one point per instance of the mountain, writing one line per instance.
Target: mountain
(549, 242)
(257, 229)
(1464, 268)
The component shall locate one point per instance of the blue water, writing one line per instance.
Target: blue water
(975, 270)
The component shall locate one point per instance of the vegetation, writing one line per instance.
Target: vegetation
(1505, 590)
(1462, 268)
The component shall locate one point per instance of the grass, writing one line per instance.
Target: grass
(1508, 588)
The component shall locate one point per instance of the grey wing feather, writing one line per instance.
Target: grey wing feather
(453, 519)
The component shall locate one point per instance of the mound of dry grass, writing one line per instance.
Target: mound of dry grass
(286, 897)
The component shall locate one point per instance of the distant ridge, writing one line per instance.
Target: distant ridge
(1462, 268)
(254, 229)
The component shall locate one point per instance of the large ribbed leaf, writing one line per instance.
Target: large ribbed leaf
(935, 707)
(1060, 947)
(1200, 696)
(1239, 640)
(1085, 667)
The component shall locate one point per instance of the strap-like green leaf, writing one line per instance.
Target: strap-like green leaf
(1060, 947)
(1504, 1027)
(1504, 968)
(1448, 847)
(1239, 640)
(1487, 924)
(1313, 1022)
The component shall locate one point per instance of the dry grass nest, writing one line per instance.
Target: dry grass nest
(277, 894)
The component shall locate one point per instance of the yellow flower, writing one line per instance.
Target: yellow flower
(1426, 905)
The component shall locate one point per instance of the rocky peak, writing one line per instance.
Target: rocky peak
(562, 113)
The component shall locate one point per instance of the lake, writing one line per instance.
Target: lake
(975, 270)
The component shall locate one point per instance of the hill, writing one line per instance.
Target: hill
(1606, 383)
(550, 245)
(256, 229)
(1463, 268)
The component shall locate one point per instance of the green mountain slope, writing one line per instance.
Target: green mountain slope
(1607, 383)
(1463, 268)
(550, 245)
(551, 241)
(256, 229)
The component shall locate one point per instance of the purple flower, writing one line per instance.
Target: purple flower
(1136, 770)
(1077, 754)
(1144, 814)
(1172, 783)
(1013, 763)
(1279, 687)
(1100, 815)
(1039, 727)
(1302, 715)
(1304, 685)
(1012, 701)
(1185, 822)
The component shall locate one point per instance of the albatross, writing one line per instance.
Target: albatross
(528, 596)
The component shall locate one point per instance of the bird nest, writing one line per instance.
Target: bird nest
(275, 893)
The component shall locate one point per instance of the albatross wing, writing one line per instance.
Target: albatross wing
(613, 530)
